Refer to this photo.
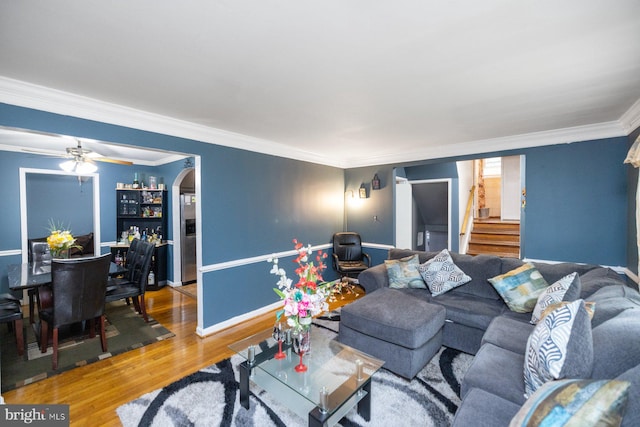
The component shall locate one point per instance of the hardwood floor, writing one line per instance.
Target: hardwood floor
(95, 391)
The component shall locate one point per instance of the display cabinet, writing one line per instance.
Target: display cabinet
(144, 211)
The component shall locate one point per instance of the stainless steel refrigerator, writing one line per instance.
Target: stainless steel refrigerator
(188, 237)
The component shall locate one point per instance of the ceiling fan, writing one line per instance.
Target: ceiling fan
(80, 160)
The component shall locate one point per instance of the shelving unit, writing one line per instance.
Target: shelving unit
(147, 210)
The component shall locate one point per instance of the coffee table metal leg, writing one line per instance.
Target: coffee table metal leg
(364, 406)
(245, 372)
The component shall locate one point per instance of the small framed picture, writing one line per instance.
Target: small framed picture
(363, 193)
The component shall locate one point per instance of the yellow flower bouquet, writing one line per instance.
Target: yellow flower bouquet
(60, 241)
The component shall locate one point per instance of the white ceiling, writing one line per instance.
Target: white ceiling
(339, 82)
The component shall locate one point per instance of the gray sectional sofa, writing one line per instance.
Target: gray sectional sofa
(405, 327)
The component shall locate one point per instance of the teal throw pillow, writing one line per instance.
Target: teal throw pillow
(576, 402)
(520, 288)
(403, 273)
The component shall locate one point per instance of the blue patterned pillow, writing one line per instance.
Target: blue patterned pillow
(403, 273)
(441, 274)
(560, 346)
(520, 287)
(553, 294)
(575, 402)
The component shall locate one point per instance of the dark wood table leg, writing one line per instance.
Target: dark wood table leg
(245, 372)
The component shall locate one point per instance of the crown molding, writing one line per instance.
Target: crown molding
(513, 142)
(28, 95)
(630, 120)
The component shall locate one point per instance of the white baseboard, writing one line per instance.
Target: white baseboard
(237, 319)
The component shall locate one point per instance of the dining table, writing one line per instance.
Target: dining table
(37, 275)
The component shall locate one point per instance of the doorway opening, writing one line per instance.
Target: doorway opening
(185, 204)
(423, 214)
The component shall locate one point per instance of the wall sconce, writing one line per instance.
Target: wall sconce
(363, 192)
(375, 182)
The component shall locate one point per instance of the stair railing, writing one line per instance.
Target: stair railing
(466, 228)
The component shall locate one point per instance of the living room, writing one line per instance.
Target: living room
(257, 197)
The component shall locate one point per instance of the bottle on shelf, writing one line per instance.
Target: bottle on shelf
(136, 183)
(151, 280)
(119, 259)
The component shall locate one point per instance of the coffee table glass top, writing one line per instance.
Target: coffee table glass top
(331, 365)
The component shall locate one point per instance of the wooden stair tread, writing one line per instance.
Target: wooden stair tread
(493, 243)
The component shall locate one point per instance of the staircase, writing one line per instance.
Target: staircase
(495, 237)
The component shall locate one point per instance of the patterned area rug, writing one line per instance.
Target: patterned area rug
(210, 397)
(125, 330)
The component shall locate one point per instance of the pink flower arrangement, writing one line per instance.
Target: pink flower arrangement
(306, 298)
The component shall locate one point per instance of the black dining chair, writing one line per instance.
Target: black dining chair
(39, 256)
(134, 284)
(348, 258)
(11, 313)
(78, 288)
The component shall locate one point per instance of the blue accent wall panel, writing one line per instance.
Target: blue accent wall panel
(577, 202)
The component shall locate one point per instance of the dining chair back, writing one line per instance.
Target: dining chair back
(135, 284)
(11, 313)
(78, 289)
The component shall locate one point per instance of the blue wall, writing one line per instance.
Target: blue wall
(252, 205)
(577, 200)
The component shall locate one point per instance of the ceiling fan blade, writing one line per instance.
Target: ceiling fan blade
(107, 160)
(45, 153)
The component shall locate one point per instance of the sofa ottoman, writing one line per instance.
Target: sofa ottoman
(405, 339)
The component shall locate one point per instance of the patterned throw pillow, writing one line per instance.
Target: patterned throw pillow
(590, 306)
(552, 294)
(560, 346)
(520, 288)
(575, 402)
(403, 273)
(441, 274)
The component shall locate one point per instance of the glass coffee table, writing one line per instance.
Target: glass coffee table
(337, 379)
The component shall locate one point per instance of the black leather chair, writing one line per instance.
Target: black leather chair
(78, 288)
(11, 313)
(134, 284)
(348, 258)
(39, 256)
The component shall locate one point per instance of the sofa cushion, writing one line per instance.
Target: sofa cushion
(551, 272)
(616, 344)
(441, 274)
(508, 333)
(394, 316)
(612, 301)
(480, 268)
(560, 346)
(403, 253)
(632, 413)
(565, 289)
(574, 402)
(476, 402)
(498, 371)
(596, 279)
(470, 311)
(520, 288)
(403, 273)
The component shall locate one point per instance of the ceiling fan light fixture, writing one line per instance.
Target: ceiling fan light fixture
(78, 166)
